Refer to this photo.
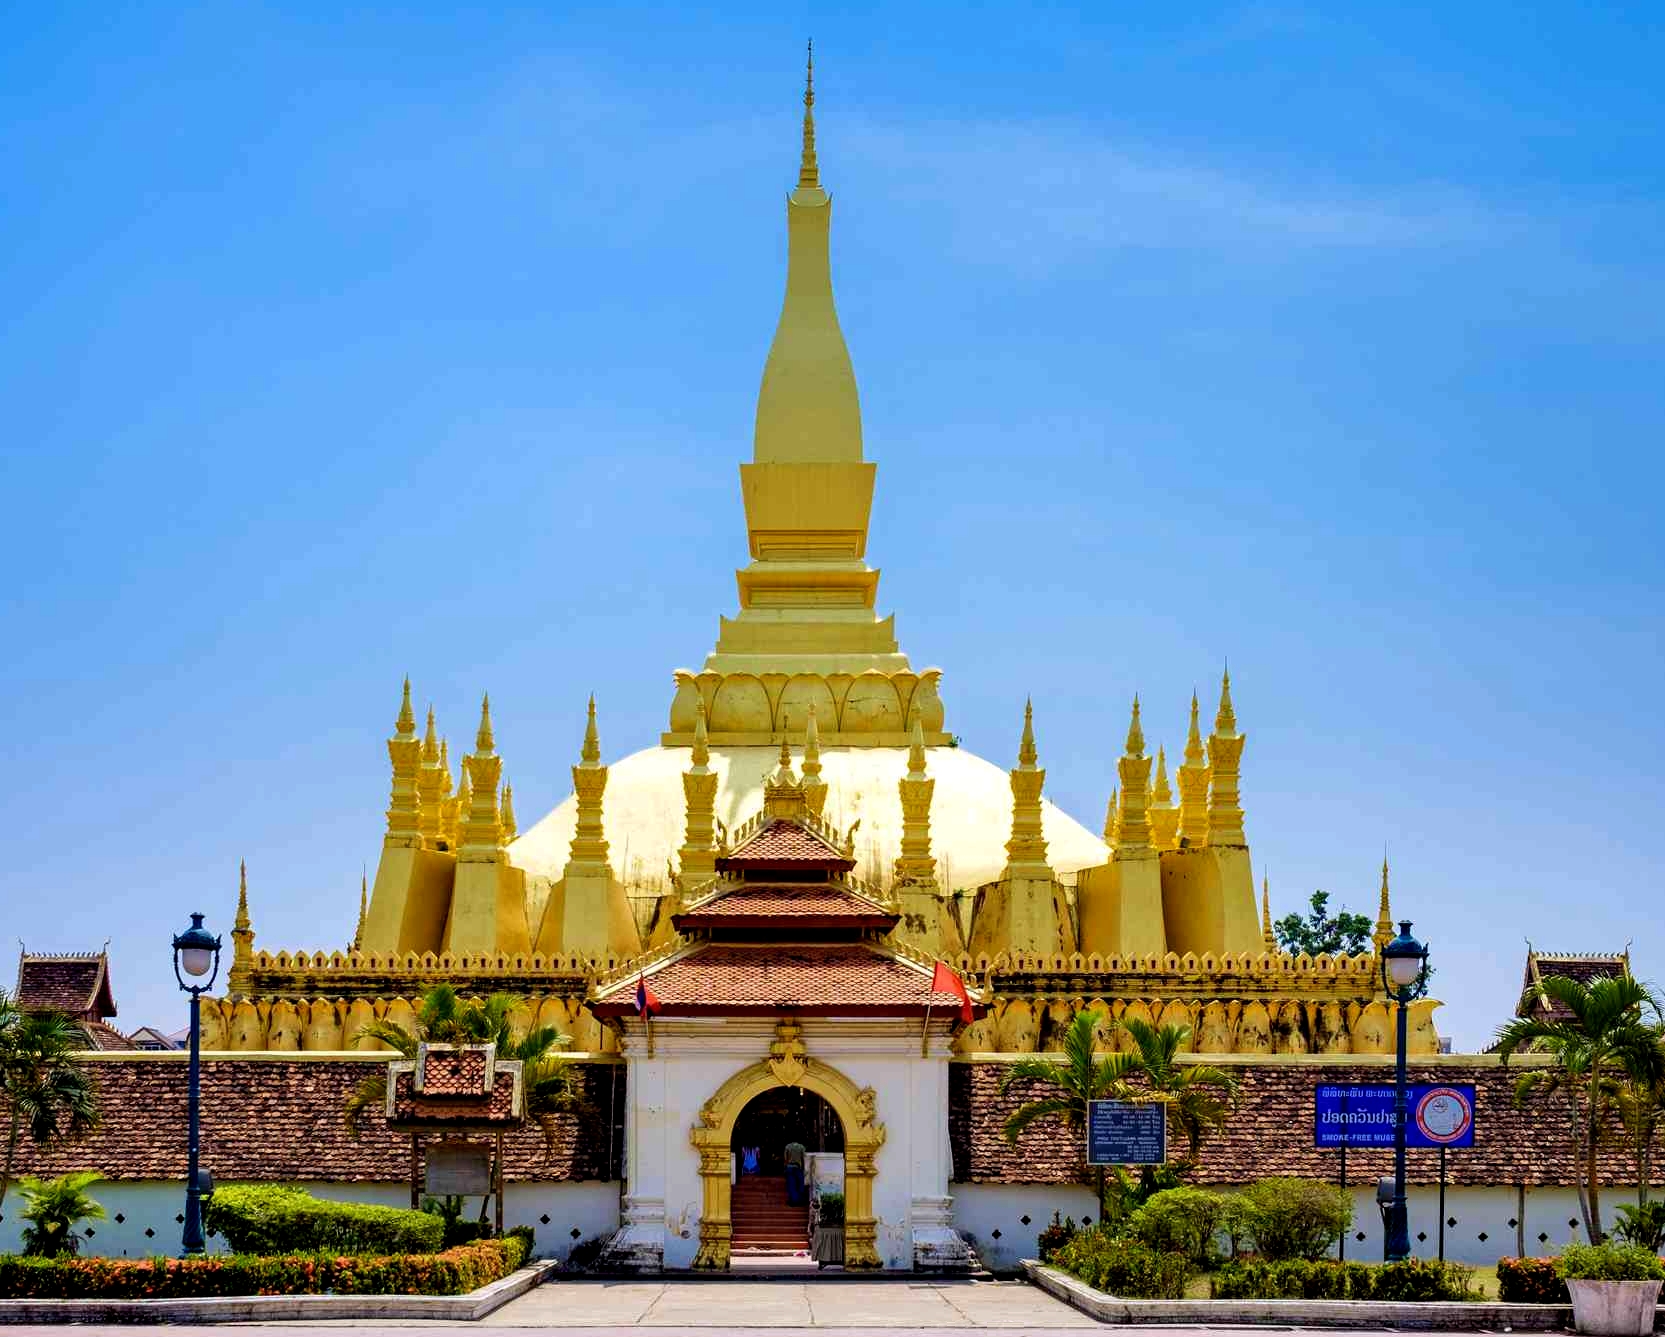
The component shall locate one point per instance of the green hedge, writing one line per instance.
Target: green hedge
(1531, 1281)
(1327, 1279)
(1123, 1267)
(454, 1272)
(277, 1218)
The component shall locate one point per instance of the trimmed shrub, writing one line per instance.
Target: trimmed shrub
(277, 1218)
(1124, 1267)
(1609, 1262)
(1417, 1279)
(1296, 1218)
(454, 1272)
(1531, 1281)
(1181, 1220)
(1055, 1236)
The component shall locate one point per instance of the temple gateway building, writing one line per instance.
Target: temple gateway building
(806, 843)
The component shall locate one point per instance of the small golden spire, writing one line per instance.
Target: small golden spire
(1162, 794)
(406, 726)
(1110, 815)
(506, 814)
(1027, 755)
(1267, 935)
(430, 742)
(1384, 913)
(1225, 720)
(484, 743)
(363, 909)
(702, 747)
(916, 750)
(809, 172)
(1194, 753)
(1135, 733)
(812, 743)
(785, 757)
(465, 797)
(241, 923)
(590, 753)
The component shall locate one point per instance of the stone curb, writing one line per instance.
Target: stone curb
(277, 1308)
(1438, 1315)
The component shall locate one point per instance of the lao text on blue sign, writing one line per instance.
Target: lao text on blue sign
(1437, 1115)
(1122, 1132)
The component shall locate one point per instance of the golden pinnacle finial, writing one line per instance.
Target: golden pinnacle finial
(809, 173)
(506, 813)
(785, 756)
(241, 923)
(1135, 732)
(1194, 754)
(812, 738)
(916, 750)
(1110, 816)
(1027, 755)
(590, 753)
(363, 909)
(702, 745)
(406, 725)
(1163, 793)
(430, 742)
(484, 743)
(1225, 720)
(1266, 932)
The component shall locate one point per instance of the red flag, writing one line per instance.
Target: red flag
(944, 980)
(647, 1002)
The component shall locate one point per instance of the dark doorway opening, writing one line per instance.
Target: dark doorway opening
(765, 1218)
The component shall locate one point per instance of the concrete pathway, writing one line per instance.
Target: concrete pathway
(1007, 1306)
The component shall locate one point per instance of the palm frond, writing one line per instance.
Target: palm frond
(1061, 1107)
(371, 1092)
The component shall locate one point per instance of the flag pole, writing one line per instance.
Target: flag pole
(925, 1038)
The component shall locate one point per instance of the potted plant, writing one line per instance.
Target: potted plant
(1614, 1287)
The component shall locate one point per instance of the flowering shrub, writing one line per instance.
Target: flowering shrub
(454, 1272)
(1531, 1281)
(1327, 1279)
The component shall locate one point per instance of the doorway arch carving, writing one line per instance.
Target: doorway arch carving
(713, 1137)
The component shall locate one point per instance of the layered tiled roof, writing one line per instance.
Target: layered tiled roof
(277, 1119)
(784, 844)
(1271, 1131)
(729, 979)
(1583, 967)
(788, 905)
(77, 983)
(107, 1039)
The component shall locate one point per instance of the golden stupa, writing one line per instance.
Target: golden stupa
(1156, 917)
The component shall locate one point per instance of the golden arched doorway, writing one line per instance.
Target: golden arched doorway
(863, 1136)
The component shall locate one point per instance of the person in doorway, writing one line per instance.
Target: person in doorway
(793, 1155)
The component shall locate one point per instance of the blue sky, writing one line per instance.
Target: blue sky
(425, 339)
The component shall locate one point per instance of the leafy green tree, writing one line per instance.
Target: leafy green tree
(1321, 934)
(43, 1090)
(53, 1208)
(1604, 1041)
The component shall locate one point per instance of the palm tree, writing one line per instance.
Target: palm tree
(1081, 1077)
(53, 1208)
(1199, 1096)
(45, 1092)
(1640, 1100)
(1602, 1039)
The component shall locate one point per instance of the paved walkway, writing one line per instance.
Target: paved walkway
(1004, 1306)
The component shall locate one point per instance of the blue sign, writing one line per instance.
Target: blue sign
(1437, 1115)
(1122, 1132)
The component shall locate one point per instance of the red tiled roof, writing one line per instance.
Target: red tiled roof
(453, 1109)
(785, 844)
(453, 1072)
(750, 905)
(78, 984)
(1585, 969)
(273, 1118)
(725, 979)
(107, 1039)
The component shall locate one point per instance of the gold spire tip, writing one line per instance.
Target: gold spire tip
(809, 172)
(1135, 732)
(484, 743)
(590, 754)
(406, 724)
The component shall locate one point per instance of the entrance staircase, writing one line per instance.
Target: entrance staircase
(763, 1221)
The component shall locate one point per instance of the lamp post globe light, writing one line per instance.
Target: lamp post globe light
(1405, 979)
(196, 964)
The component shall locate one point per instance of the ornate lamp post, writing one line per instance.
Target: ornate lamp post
(196, 953)
(1405, 978)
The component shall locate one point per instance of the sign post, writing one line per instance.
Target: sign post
(1126, 1132)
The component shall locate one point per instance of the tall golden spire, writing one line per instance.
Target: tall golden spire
(483, 740)
(480, 831)
(1027, 753)
(1164, 817)
(1026, 848)
(1132, 826)
(448, 808)
(1384, 913)
(815, 788)
(1225, 752)
(404, 808)
(914, 863)
(588, 852)
(1266, 933)
(510, 830)
(698, 857)
(1111, 810)
(242, 919)
(702, 745)
(242, 934)
(1193, 787)
(363, 909)
(809, 174)
(428, 786)
(590, 753)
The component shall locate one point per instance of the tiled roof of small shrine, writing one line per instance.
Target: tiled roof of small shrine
(782, 843)
(789, 905)
(107, 1039)
(728, 979)
(77, 983)
(1586, 968)
(445, 1087)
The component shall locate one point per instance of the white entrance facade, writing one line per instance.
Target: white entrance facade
(689, 1077)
